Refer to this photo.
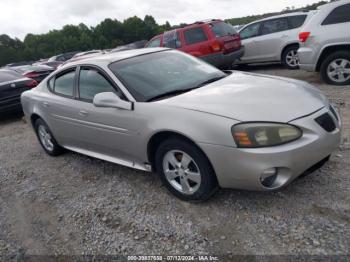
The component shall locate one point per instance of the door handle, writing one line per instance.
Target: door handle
(284, 36)
(46, 104)
(83, 113)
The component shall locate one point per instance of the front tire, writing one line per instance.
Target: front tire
(46, 139)
(185, 170)
(335, 68)
(290, 58)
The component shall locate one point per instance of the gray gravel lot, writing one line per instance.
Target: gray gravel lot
(75, 205)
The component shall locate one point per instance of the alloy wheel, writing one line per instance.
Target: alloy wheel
(292, 58)
(182, 172)
(45, 138)
(339, 70)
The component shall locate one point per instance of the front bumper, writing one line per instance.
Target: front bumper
(242, 168)
(222, 60)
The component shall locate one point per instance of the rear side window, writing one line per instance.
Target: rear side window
(64, 84)
(250, 31)
(195, 35)
(171, 39)
(91, 83)
(296, 21)
(274, 26)
(154, 43)
(8, 75)
(339, 15)
(221, 29)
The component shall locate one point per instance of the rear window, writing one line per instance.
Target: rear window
(296, 21)
(339, 15)
(221, 29)
(195, 35)
(9, 75)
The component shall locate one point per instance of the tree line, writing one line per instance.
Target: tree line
(110, 33)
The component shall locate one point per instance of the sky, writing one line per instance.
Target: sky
(20, 17)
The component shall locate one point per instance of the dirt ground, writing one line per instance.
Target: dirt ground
(75, 205)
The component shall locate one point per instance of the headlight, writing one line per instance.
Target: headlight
(252, 135)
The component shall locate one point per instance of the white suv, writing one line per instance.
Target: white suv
(273, 39)
(325, 43)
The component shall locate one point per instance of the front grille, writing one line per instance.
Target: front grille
(326, 122)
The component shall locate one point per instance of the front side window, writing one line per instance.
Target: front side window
(195, 35)
(341, 14)
(64, 83)
(296, 21)
(91, 83)
(274, 26)
(250, 31)
(149, 76)
(171, 39)
(154, 43)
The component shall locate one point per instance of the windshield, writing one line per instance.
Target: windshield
(152, 75)
(221, 29)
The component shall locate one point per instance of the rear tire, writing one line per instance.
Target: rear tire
(335, 68)
(46, 139)
(290, 57)
(185, 170)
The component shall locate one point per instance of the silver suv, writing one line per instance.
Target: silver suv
(325, 43)
(273, 39)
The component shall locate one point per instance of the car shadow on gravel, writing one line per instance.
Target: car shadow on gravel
(11, 117)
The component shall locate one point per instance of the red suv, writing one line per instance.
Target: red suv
(214, 41)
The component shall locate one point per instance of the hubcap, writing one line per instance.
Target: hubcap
(292, 58)
(45, 138)
(339, 70)
(182, 172)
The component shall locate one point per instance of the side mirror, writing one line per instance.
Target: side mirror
(111, 100)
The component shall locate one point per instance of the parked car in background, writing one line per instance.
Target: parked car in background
(12, 85)
(134, 45)
(86, 53)
(36, 72)
(325, 43)
(57, 60)
(196, 126)
(19, 63)
(274, 39)
(213, 41)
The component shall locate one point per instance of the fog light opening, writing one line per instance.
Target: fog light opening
(269, 177)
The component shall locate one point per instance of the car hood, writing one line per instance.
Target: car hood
(253, 97)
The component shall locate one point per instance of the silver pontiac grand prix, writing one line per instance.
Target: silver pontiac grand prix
(197, 127)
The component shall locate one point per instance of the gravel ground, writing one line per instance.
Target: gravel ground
(74, 205)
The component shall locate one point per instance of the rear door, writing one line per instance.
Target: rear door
(61, 107)
(273, 36)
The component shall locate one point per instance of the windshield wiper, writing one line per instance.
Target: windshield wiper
(209, 81)
(170, 93)
(181, 91)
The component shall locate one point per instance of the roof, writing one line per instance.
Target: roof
(116, 56)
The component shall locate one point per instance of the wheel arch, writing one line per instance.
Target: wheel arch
(34, 117)
(329, 50)
(156, 139)
(287, 46)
